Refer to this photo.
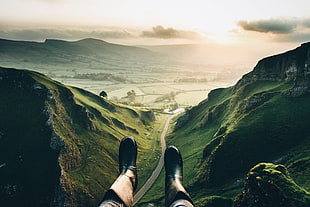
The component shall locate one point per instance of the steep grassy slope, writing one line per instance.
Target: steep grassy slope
(59, 145)
(265, 117)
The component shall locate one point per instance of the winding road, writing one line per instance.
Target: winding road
(148, 184)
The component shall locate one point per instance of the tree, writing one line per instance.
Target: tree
(131, 95)
(103, 94)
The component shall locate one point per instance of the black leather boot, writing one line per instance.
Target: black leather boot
(174, 177)
(127, 158)
(121, 191)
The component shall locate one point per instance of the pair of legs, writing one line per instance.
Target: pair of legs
(121, 192)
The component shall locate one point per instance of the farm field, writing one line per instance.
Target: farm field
(149, 94)
(154, 78)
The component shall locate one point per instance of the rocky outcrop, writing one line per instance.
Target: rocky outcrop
(122, 126)
(86, 117)
(257, 100)
(182, 120)
(271, 186)
(292, 65)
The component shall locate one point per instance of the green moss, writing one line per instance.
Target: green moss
(273, 188)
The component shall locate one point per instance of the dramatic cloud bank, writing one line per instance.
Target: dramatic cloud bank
(285, 29)
(169, 33)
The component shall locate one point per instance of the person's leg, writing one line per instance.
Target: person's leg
(120, 193)
(176, 194)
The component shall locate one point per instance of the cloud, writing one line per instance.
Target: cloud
(284, 29)
(275, 26)
(68, 34)
(169, 33)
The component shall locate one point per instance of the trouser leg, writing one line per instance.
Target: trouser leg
(111, 200)
(176, 194)
(121, 192)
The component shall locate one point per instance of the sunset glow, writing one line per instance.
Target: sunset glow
(246, 24)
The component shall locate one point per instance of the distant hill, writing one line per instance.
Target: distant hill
(265, 117)
(54, 51)
(59, 144)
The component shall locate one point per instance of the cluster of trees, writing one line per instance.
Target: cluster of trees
(131, 96)
(100, 77)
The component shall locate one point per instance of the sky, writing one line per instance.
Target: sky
(134, 22)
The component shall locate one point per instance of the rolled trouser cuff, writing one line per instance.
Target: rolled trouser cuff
(123, 187)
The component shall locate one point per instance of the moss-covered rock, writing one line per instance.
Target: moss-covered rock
(270, 185)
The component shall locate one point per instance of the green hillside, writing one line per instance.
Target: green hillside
(265, 117)
(59, 145)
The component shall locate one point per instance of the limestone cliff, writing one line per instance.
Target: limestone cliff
(294, 64)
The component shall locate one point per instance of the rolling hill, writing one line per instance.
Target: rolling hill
(59, 144)
(65, 54)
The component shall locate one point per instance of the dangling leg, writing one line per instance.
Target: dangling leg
(121, 192)
(176, 194)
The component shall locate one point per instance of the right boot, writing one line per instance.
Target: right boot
(174, 189)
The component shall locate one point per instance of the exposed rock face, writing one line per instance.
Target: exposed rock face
(121, 125)
(57, 143)
(294, 64)
(43, 149)
(87, 117)
(182, 120)
(29, 146)
(271, 186)
(256, 100)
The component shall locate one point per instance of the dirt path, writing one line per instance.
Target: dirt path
(148, 184)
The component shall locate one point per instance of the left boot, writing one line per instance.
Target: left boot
(126, 182)
(128, 158)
